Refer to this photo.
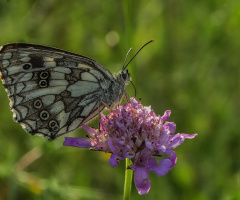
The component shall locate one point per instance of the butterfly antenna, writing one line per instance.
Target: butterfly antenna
(126, 58)
(125, 66)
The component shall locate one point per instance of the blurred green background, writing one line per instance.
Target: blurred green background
(192, 68)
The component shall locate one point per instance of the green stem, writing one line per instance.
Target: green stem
(128, 180)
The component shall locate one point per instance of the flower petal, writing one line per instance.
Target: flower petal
(171, 126)
(77, 142)
(113, 160)
(141, 180)
(189, 136)
(134, 101)
(90, 130)
(178, 139)
(166, 115)
(172, 157)
(162, 169)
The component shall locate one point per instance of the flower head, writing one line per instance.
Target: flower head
(134, 131)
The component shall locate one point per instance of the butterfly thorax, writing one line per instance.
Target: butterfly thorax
(117, 89)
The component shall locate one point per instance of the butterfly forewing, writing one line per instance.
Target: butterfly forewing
(52, 91)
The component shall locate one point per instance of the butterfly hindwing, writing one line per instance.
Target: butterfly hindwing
(52, 91)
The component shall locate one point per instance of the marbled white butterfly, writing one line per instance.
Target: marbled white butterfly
(53, 92)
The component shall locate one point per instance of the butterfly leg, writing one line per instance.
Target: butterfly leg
(126, 95)
(99, 116)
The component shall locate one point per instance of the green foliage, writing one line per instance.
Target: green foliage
(192, 68)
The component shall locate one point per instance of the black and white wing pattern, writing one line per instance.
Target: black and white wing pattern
(53, 92)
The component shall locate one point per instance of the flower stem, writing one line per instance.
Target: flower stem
(128, 180)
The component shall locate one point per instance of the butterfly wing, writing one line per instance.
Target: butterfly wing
(52, 91)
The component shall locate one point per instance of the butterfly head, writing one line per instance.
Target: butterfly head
(125, 76)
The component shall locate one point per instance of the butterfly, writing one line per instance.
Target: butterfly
(53, 92)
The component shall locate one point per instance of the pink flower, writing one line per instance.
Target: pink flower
(134, 131)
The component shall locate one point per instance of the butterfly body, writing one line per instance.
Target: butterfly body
(53, 92)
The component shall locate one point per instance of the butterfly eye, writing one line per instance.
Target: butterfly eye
(37, 104)
(125, 75)
(27, 66)
(43, 83)
(44, 115)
